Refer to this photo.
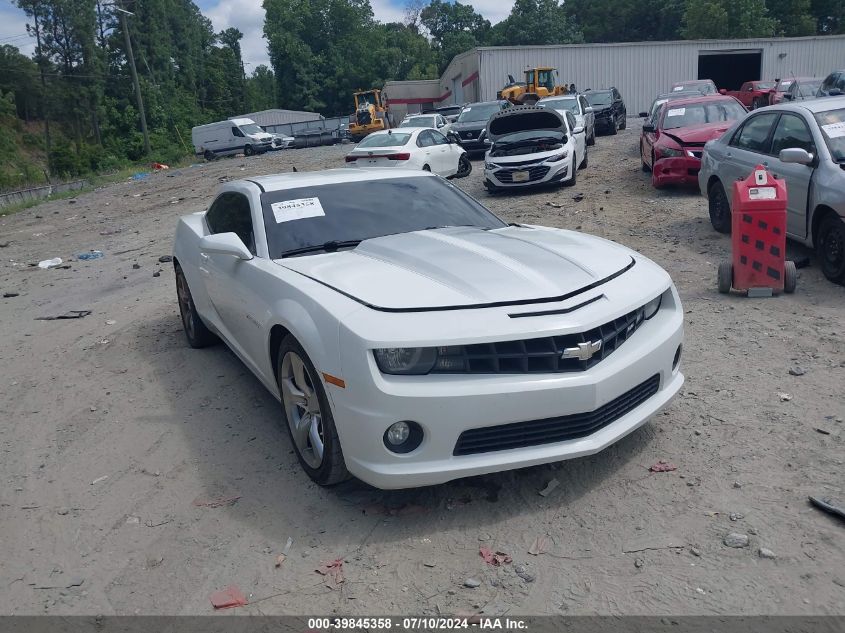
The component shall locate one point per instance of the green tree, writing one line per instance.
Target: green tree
(794, 17)
(536, 22)
(454, 28)
(829, 16)
(730, 19)
(260, 89)
(627, 20)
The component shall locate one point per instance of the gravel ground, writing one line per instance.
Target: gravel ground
(115, 436)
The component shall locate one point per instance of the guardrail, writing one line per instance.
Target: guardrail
(37, 193)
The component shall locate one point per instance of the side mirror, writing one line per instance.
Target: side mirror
(644, 115)
(588, 110)
(796, 155)
(723, 91)
(225, 244)
(649, 128)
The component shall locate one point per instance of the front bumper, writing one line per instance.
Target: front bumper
(604, 123)
(681, 170)
(541, 173)
(446, 405)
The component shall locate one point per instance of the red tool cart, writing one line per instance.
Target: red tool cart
(758, 235)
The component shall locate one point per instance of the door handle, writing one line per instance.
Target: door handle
(204, 257)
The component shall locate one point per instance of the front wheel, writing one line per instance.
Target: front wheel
(571, 182)
(583, 164)
(719, 208)
(624, 123)
(208, 155)
(592, 140)
(248, 151)
(307, 415)
(464, 167)
(831, 248)
(613, 127)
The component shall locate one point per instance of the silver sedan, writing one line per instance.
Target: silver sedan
(805, 145)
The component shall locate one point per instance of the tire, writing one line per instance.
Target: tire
(302, 392)
(830, 248)
(719, 208)
(464, 167)
(592, 140)
(643, 165)
(196, 332)
(613, 127)
(208, 155)
(491, 188)
(624, 123)
(571, 181)
(583, 164)
(248, 151)
(790, 277)
(725, 277)
(758, 102)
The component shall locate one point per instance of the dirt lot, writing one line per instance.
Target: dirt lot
(114, 432)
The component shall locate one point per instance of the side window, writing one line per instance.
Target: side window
(616, 95)
(424, 139)
(583, 103)
(570, 120)
(438, 138)
(230, 213)
(236, 131)
(754, 135)
(792, 131)
(840, 83)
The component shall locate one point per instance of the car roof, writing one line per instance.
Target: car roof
(481, 103)
(679, 94)
(293, 180)
(822, 104)
(702, 99)
(692, 82)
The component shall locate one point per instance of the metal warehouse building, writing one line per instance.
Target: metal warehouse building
(639, 70)
(269, 119)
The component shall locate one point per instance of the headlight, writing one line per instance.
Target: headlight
(669, 152)
(651, 308)
(406, 360)
(490, 165)
(557, 157)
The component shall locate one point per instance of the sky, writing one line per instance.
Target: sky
(246, 15)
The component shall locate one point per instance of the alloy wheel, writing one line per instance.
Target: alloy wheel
(302, 407)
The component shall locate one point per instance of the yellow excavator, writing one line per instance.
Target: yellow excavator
(539, 82)
(370, 114)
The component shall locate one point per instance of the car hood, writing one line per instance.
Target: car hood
(523, 119)
(699, 134)
(600, 109)
(465, 126)
(463, 267)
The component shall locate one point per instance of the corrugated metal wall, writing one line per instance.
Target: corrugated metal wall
(642, 70)
(277, 116)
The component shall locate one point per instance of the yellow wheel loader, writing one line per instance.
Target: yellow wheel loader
(539, 82)
(370, 114)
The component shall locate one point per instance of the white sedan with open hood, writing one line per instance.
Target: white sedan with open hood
(533, 145)
(412, 148)
(413, 337)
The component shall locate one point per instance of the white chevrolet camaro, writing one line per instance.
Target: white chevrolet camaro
(412, 148)
(413, 337)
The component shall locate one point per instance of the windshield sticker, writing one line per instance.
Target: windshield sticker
(676, 112)
(677, 88)
(834, 130)
(467, 110)
(785, 84)
(297, 209)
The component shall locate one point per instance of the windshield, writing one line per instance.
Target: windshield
(809, 88)
(701, 114)
(418, 121)
(449, 111)
(765, 85)
(478, 112)
(310, 216)
(392, 139)
(784, 86)
(832, 124)
(250, 128)
(599, 98)
(562, 105)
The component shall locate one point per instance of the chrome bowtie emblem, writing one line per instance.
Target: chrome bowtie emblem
(584, 351)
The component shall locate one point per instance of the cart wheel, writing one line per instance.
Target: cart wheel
(790, 277)
(726, 277)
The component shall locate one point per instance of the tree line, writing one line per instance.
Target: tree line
(73, 100)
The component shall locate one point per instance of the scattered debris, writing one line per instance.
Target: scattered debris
(157, 273)
(737, 484)
(796, 371)
(429, 564)
(165, 258)
(538, 546)
(149, 523)
(154, 561)
(4, 244)
(578, 197)
(736, 516)
(281, 557)
(822, 431)
(496, 559)
(332, 569)
(639, 563)
(136, 265)
(662, 467)
(50, 263)
(58, 583)
(217, 502)
(523, 573)
(158, 166)
(228, 598)
(62, 511)
(472, 583)
(141, 176)
(9, 295)
(734, 539)
(89, 256)
(99, 479)
(72, 314)
(829, 505)
(111, 322)
(652, 543)
(765, 552)
(545, 492)
(555, 205)
(784, 397)
(151, 473)
(695, 551)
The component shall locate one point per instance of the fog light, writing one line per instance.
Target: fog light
(398, 433)
(403, 437)
(677, 360)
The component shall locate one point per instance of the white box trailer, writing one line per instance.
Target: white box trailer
(225, 138)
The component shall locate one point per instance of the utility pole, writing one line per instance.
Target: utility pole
(131, 57)
(44, 104)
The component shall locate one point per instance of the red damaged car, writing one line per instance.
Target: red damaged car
(672, 145)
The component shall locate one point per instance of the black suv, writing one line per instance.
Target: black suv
(833, 85)
(609, 108)
(471, 122)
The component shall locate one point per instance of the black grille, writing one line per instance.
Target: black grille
(550, 430)
(469, 134)
(537, 355)
(534, 174)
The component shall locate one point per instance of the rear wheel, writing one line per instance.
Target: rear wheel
(726, 277)
(307, 415)
(719, 207)
(196, 332)
(831, 248)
